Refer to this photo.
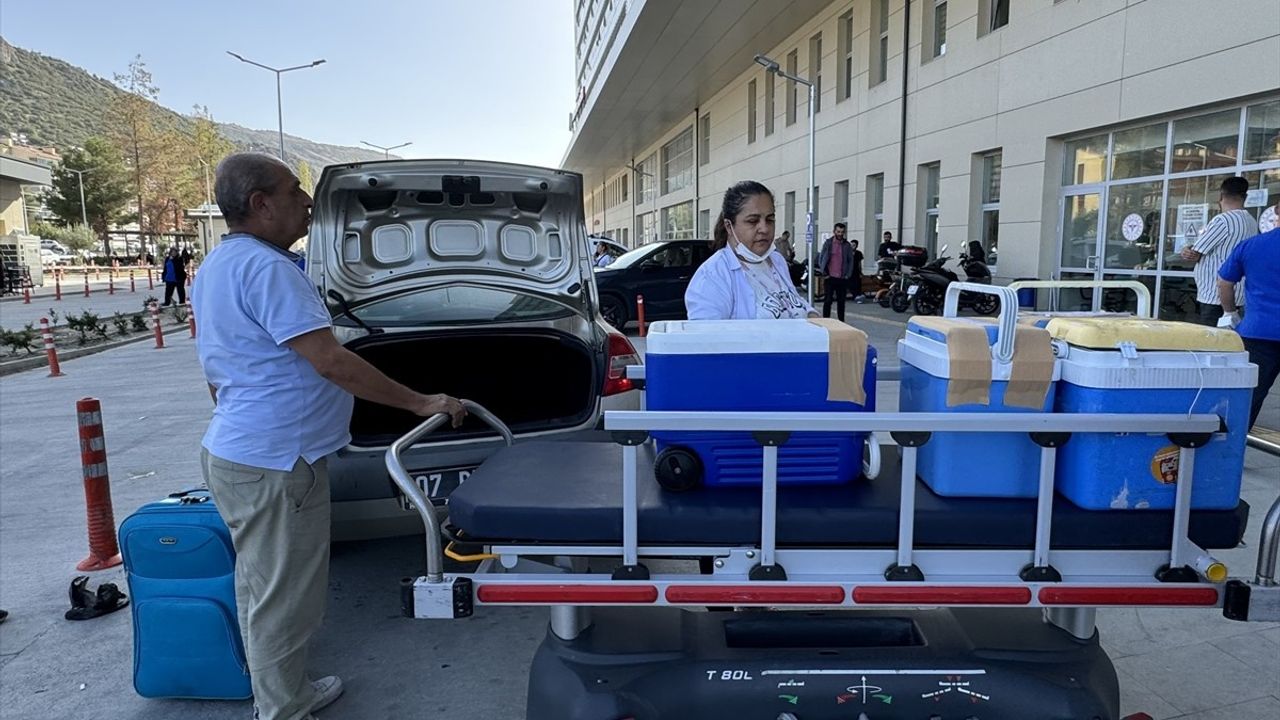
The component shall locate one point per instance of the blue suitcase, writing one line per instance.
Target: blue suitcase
(181, 569)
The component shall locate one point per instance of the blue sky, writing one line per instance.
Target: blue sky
(486, 79)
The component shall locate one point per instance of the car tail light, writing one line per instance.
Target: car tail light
(621, 354)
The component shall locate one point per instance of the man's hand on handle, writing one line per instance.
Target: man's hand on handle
(436, 404)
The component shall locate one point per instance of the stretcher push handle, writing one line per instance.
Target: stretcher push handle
(1008, 312)
(1142, 292)
(400, 475)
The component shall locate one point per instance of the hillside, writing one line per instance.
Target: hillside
(53, 102)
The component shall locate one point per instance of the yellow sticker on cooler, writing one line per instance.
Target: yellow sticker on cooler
(1164, 465)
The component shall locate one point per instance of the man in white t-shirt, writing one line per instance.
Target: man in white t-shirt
(1211, 249)
(282, 388)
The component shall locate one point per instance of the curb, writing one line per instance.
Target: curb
(39, 359)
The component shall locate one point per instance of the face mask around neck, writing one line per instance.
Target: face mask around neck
(744, 252)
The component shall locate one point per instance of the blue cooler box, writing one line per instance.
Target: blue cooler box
(753, 366)
(1167, 367)
(967, 464)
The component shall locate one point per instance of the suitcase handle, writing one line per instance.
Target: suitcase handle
(186, 498)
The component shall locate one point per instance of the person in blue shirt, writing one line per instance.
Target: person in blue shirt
(1257, 258)
(282, 388)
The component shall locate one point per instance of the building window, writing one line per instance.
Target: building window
(624, 188)
(704, 140)
(937, 29)
(646, 179)
(991, 170)
(793, 62)
(646, 228)
(770, 109)
(704, 224)
(677, 162)
(841, 202)
(751, 112)
(880, 48)
(677, 222)
(930, 178)
(1135, 197)
(875, 213)
(815, 70)
(844, 50)
(992, 15)
(789, 214)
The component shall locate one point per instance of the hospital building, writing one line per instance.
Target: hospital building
(1072, 138)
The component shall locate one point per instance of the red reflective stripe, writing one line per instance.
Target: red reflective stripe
(745, 594)
(1197, 596)
(942, 595)
(604, 594)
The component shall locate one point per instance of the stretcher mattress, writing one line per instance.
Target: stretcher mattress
(571, 493)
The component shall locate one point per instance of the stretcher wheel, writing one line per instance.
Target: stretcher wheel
(678, 469)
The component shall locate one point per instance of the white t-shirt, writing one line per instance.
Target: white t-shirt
(776, 297)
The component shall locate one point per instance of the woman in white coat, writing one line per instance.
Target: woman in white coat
(745, 278)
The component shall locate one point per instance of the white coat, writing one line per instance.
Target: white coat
(719, 289)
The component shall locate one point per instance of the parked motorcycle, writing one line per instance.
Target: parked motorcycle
(897, 273)
(932, 281)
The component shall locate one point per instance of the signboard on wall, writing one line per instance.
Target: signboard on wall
(1191, 220)
(1256, 198)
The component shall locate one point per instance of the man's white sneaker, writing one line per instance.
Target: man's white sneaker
(328, 689)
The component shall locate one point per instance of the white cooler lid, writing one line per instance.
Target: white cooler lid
(716, 337)
(1157, 369)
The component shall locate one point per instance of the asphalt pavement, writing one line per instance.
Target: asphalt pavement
(1190, 664)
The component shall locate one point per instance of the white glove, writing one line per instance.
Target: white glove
(1229, 320)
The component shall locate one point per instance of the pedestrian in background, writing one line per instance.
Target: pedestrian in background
(837, 262)
(175, 277)
(1259, 260)
(282, 389)
(785, 248)
(1216, 242)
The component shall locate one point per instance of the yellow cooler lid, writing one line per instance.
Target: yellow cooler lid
(1106, 333)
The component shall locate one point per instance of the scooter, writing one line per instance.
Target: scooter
(901, 283)
(932, 281)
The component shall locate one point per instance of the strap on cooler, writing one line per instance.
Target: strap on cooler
(969, 354)
(846, 361)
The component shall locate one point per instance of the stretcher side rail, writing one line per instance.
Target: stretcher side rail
(765, 575)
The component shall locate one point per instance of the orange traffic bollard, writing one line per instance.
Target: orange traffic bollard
(640, 313)
(26, 295)
(132, 286)
(151, 278)
(57, 284)
(155, 320)
(103, 550)
(86, 283)
(50, 350)
(191, 317)
(111, 281)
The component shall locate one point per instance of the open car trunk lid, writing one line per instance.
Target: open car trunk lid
(381, 228)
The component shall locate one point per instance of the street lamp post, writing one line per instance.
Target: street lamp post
(279, 103)
(84, 216)
(771, 65)
(386, 151)
(207, 235)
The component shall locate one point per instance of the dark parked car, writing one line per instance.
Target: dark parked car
(659, 271)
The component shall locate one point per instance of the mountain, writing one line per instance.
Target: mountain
(52, 102)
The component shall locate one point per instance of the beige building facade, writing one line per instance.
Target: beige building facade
(1071, 138)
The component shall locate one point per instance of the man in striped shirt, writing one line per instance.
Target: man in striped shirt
(1214, 245)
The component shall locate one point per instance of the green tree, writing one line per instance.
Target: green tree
(304, 176)
(76, 237)
(135, 129)
(106, 187)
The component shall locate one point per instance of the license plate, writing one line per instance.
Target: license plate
(911, 291)
(437, 485)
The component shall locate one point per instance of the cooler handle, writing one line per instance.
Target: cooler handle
(1008, 312)
(1141, 291)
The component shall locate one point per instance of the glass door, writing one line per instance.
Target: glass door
(1080, 247)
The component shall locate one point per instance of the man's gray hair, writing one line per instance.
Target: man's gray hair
(240, 175)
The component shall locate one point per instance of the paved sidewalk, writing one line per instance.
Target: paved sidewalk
(1186, 664)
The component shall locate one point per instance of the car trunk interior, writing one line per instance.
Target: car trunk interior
(532, 381)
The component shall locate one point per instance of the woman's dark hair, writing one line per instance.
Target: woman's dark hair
(976, 253)
(734, 198)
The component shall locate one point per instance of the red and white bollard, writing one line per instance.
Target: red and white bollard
(640, 313)
(57, 284)
(155, 320)
(191, 318)
(133, 287)
(151, 278)
(50, 350)
(86, 283)
(111, 281)
(103, 550)
(26, 295)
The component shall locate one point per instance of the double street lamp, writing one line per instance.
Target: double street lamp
(386, 151)
(278, 72)
(772, 66)
(84, 215)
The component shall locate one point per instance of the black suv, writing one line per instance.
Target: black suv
(659, 271)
